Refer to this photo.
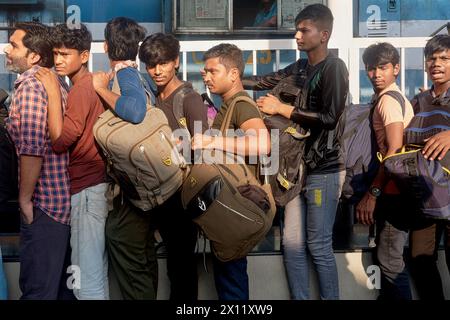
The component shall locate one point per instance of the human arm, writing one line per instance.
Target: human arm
(131, 104)
(391, 115)
(31, 146)
(268, 81)
(55, 115)
(334, 88)
(79, 104)
(256, 140)
(30, 170)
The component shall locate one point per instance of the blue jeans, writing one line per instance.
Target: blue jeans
(88, 218)
(231, 279)
(308, 228)
(3, 286)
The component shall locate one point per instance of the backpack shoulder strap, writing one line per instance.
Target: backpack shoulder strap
(398, 97)
(229, 114)
(177, 107)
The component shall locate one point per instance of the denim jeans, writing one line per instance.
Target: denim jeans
(3, 286)
(88, 217)
(231, 279)
(308, 230)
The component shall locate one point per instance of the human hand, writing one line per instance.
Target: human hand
(201, 141)
(365, 209)
(49, 80)
(269, 104)
(437, 146)
(100, 79)
(26, 211)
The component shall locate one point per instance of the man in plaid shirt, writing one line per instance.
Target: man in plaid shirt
(44, 196)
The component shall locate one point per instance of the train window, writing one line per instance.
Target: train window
(236, 16)
(202, 15)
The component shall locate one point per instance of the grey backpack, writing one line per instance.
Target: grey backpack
(141, 158)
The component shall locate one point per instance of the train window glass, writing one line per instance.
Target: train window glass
(272, 16)
(255, 14)
(204, 15)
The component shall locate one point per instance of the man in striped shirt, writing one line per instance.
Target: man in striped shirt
(44, 196)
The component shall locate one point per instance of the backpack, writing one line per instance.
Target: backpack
(426, 182)
(228, 203)
(359, 146)
(177, 108)
(8, 158)
(141, 158)
(211, 110)
(290, 138)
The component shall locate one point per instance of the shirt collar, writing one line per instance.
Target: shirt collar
(27, 74)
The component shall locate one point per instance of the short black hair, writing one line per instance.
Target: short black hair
(380, 54)
(75, 38)
(122, 36)
(438, 43)
(37, 39)
(229, 55)
(317, 13)
(159, 48)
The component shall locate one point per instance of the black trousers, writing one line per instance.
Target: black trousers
(179, 235)
(425, 238)
(131, 250)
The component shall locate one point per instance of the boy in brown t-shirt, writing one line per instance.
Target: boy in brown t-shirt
(73, 132)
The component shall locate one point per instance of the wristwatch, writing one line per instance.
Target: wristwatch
(375, 191)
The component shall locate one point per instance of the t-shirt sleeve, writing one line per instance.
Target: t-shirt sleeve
(243, 112)
(390, 110)
(195, 112)
(79, 103)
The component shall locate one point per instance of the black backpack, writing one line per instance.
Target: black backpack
(8, 158)
(360, 147)
(288, 181)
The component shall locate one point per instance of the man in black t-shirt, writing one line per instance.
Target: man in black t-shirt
(309, 218)
(160, 53)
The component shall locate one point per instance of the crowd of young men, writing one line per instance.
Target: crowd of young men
(63, 179)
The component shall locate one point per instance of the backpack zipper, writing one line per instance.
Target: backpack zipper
(239, 214)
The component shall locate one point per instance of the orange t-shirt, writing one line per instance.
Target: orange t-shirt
(387, 111)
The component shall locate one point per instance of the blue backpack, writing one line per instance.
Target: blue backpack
(360, 147)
